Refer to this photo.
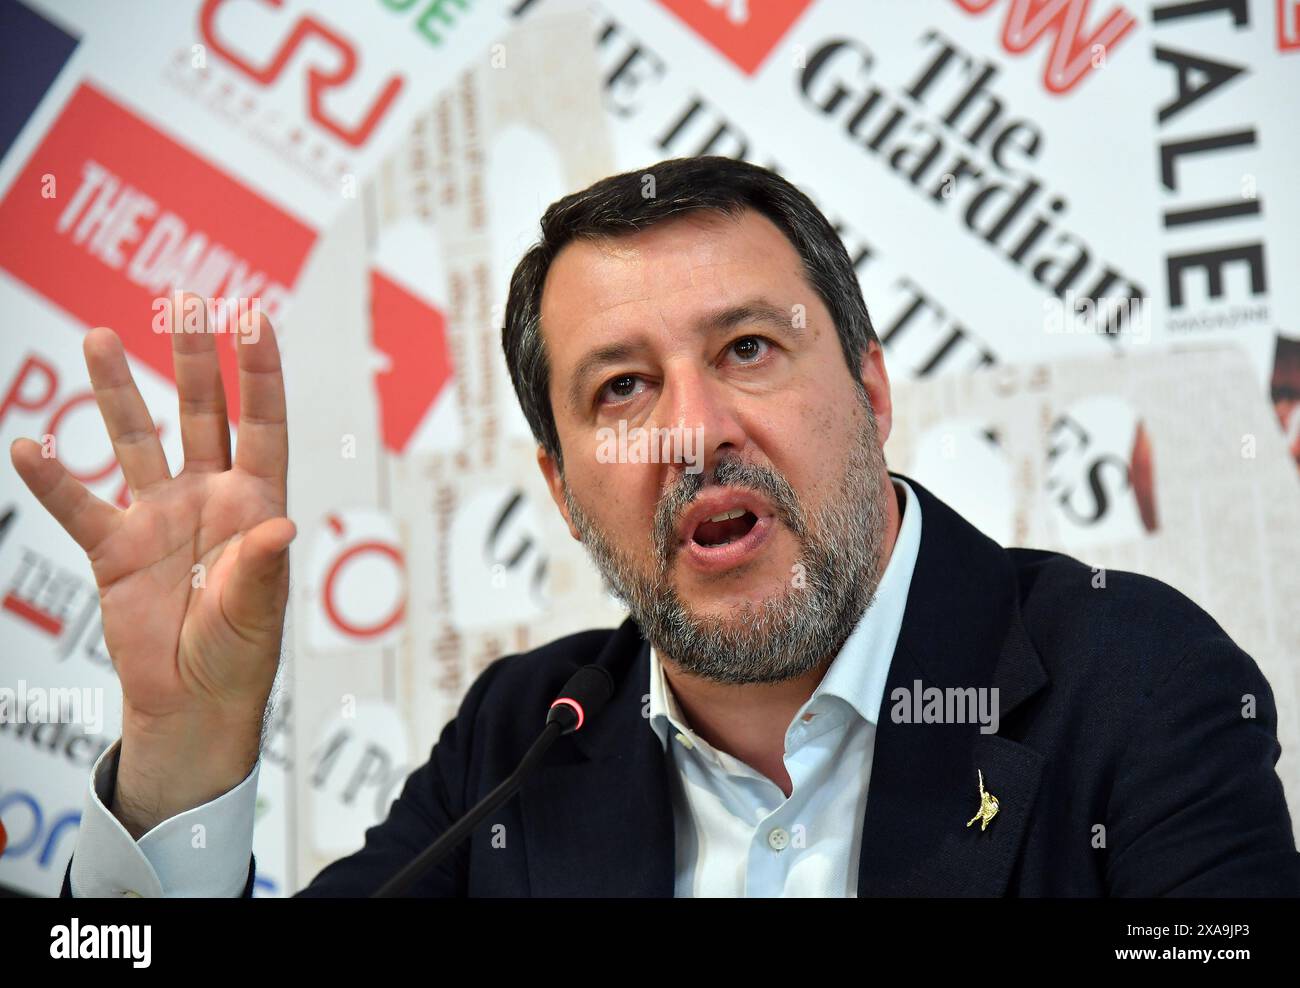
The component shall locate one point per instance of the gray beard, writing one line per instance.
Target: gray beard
(787, 636)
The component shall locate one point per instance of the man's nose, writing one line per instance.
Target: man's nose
(694, 401)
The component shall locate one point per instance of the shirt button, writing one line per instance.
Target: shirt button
(778, 840)
(687, 742)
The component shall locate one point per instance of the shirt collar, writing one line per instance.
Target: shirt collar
(860, 670)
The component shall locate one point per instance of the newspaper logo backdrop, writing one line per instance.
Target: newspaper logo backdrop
(1046, 202)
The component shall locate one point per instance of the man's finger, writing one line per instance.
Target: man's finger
(205, 422)
(85, 517)
(251, 597)
(127, 418)
(263, 445)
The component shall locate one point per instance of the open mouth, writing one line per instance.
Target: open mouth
(725, 542)
(725, 528)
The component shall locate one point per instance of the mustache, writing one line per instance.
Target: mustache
(731, 472)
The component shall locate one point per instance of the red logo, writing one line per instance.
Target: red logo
(342, 66)
(1288, 25)
(413, 338)
(745, 31)
(109, 215)
(1073, 54)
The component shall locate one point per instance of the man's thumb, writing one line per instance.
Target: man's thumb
(251, 599)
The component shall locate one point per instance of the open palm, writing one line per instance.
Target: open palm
(193, 576)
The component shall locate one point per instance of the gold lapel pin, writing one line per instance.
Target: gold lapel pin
(988, 806)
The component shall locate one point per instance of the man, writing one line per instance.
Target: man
(794, 609)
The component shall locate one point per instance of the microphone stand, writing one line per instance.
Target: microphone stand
(404, 880)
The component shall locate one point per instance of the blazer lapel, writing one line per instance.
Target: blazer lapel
(597, 812)
(961, 629)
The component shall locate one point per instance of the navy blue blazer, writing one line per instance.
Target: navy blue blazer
(1123, 763)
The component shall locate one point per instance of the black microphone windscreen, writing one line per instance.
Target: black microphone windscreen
(583, 697)
(590, 687)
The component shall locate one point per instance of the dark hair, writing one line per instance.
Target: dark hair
(635, 200)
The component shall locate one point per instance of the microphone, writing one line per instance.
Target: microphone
(583, 697)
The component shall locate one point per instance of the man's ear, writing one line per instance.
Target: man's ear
(555, 484)
(876, 381)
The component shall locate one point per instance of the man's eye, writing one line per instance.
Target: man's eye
(619, 389)
(749, 348)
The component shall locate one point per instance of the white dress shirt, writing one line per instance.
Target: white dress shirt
(201, 852)
(736, 832)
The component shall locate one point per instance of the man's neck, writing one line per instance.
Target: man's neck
(746, 721)
(749, 721)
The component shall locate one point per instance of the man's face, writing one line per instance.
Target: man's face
(711, 330)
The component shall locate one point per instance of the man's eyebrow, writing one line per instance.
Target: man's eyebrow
(752, 311)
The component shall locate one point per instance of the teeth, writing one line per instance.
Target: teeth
(728, 515)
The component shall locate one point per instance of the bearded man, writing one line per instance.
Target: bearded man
(794, 610)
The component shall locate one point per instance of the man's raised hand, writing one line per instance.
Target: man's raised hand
(193, 576)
